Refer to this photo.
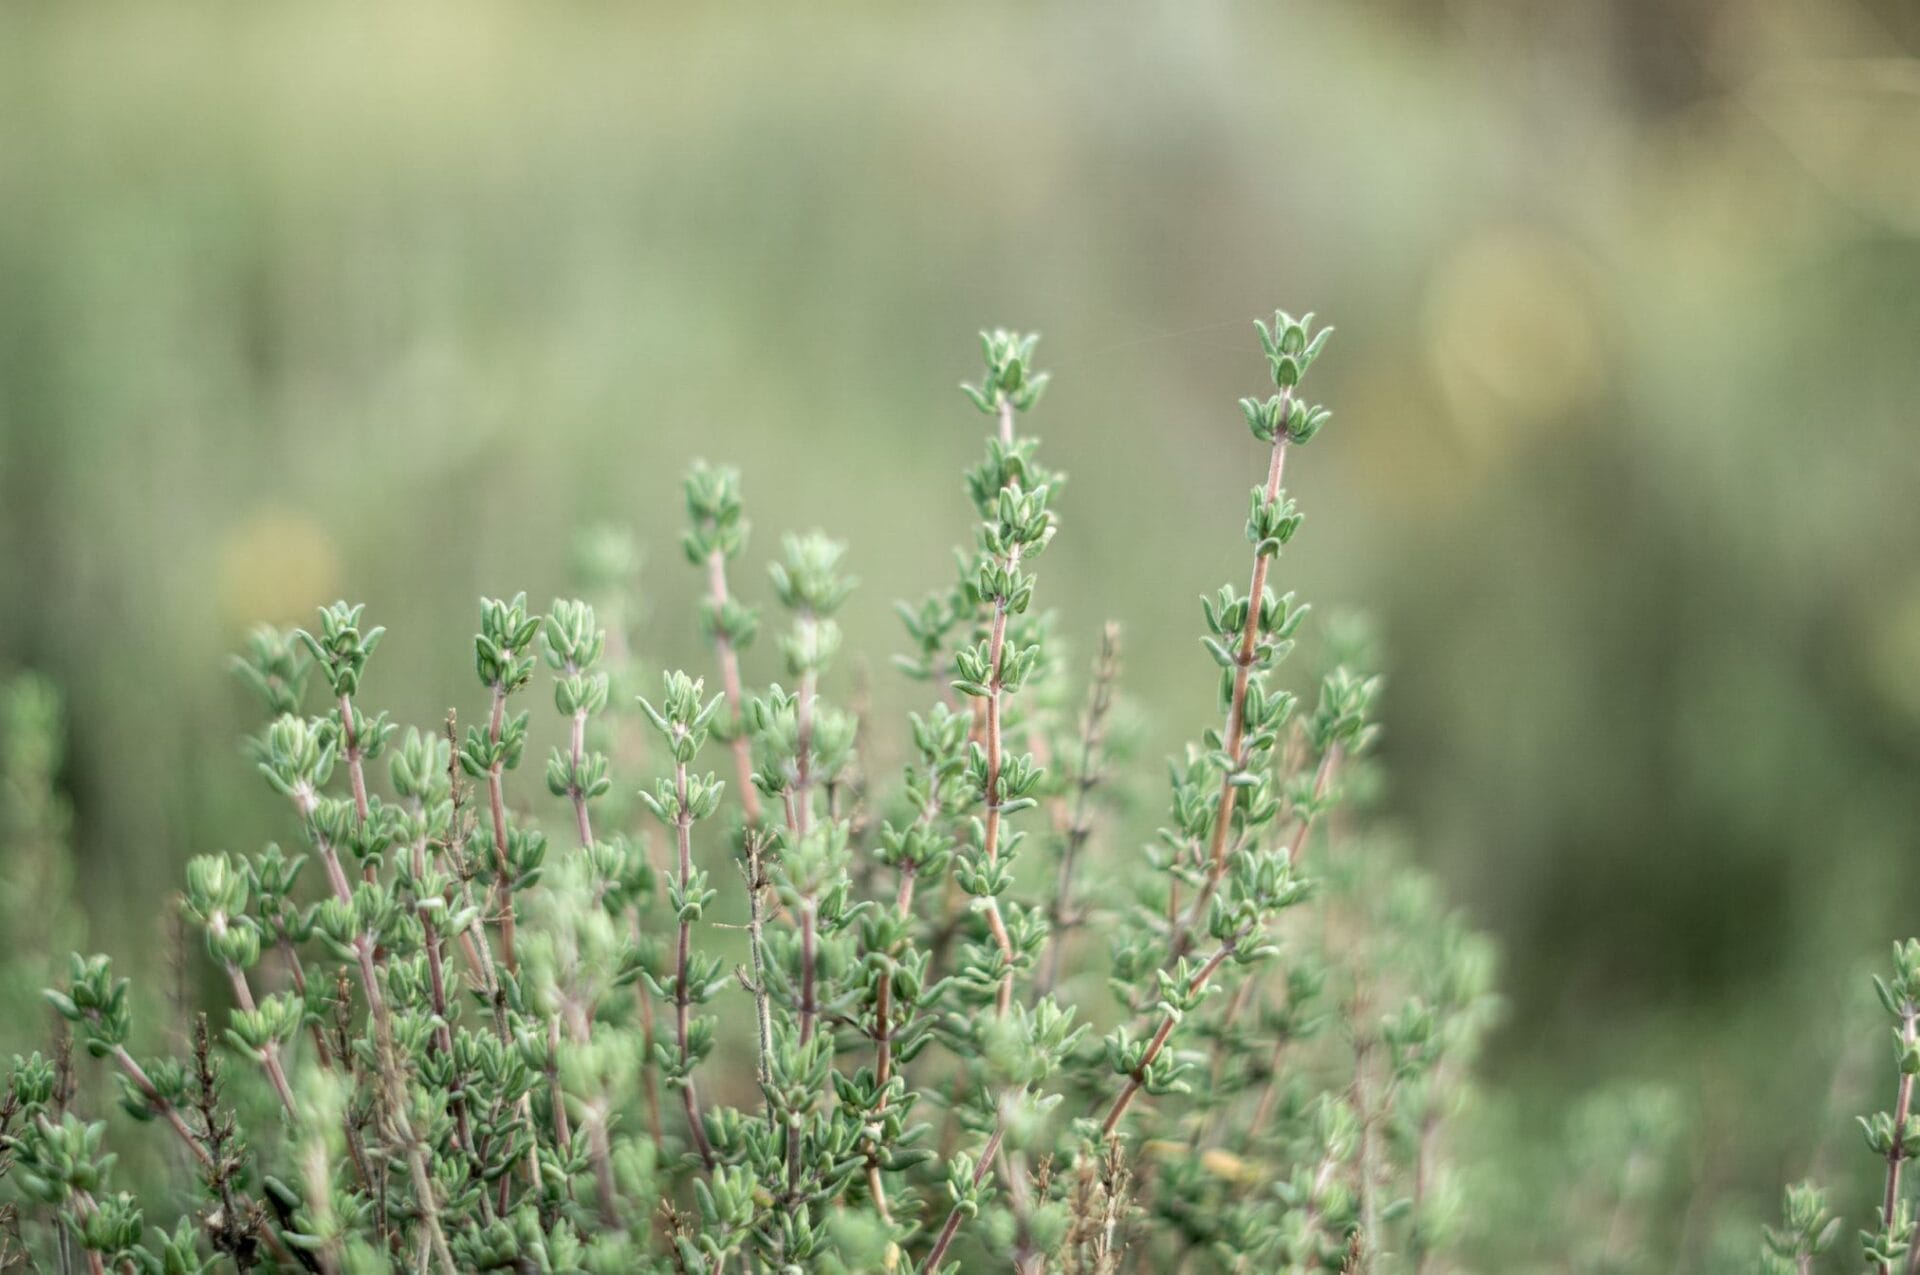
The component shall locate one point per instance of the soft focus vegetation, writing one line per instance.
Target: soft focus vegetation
(297, 302)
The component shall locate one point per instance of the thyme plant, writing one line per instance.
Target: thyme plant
(733, 993)
(1806, 1238)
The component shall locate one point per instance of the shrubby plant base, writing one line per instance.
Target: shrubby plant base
(475, 1002)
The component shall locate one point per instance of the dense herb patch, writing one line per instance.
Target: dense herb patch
(470, 1030)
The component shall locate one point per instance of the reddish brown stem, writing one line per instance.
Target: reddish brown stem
(96, 1265)
(152, 1097)
(270, 1054)
(355, 772)
(648, 1083)
(1236, 730)
(1263, 1110)
(1322, 779)
(1138, 1077)
(682, 998)
(951, 1227)
(390, 1077)
(437, 988)
(990, 841)
(1896, 1154)
(809, 961)
(756, 954)
(1078, 822)
(883, 1002)
(883, 1038)
(1236, 1005)
(581, 1027)
(497, 809)
(577, 751)
(299, 975)
(803, 732)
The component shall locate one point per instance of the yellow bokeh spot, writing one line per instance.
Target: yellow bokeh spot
(274, 567)
(1893, 651)
(1512, 333)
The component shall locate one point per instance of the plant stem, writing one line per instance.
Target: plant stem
(996, 691)
(355, 772)
(682, 1001)
(152, 1097)
(1220, 1048)
(1079, 820)
(951, 1226)
(1235, 735)
(390, 1078)
(883, 1033)
(1270, 1095)
(437, 989)
(883, 1009)
(809, 962)
(238, 1220)
(497, 809)
(1902, 1106)
(270, 1053)
(762, 1009)
(598, 1150)
(1159, 1041)
(648, 1082)
(473, 941)
(243, 996)
(298, 973)
(1322, 780)
(84, 1203)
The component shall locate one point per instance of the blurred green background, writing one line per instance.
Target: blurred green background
(385, 301)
